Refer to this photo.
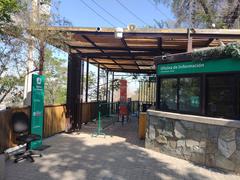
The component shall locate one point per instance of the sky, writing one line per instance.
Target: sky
(80, 15)
(86, 13)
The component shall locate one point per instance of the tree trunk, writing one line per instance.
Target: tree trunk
(207, 12)
(41, 58)
(232, 16)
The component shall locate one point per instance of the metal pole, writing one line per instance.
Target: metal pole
(87, 74)
(112, 85)
(112, 91)
(139, 92)
(81, 92)
(98, 77)
(107, 87)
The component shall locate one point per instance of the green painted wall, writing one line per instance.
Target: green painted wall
(206, 66)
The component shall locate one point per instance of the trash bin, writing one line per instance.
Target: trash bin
(142, 125)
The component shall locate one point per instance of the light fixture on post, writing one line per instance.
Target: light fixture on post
(119, 33)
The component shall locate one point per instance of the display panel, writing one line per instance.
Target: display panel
(168, 95)
(189, 94)
(221, 96)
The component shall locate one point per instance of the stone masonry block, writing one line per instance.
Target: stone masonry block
(227, 142)
(179, 130)
(152, 132)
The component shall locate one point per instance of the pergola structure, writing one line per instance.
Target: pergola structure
(133, 53)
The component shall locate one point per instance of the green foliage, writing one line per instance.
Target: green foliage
(7, 9)
(55, 71)
(233, 50)
(230, 50)
(10, 88)
(203, 13)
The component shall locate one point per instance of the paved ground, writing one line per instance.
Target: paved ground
(122, 156)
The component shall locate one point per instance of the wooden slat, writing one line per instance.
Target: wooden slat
(54, 121)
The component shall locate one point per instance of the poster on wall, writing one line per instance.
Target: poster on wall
(37, 108)
(123, 98)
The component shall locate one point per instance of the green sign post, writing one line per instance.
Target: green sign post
(37, 108)
(206, 66)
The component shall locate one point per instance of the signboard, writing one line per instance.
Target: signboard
(123, 98)
(206, 66)
(37, 108)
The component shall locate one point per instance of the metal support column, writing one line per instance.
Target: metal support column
(112, 107)
(112, 86)
(87, 75)
(74, 91)
(98, 78)
(107, 87)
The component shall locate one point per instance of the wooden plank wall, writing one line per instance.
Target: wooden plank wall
(89, 112)
(54, 121)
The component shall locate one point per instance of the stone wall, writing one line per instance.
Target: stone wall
(210, 145)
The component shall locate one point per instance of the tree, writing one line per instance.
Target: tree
(56, 79)
(205, 13)
(11, 63)
(7, 9)
(17, 20)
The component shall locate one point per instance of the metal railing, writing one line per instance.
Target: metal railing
(107, 115)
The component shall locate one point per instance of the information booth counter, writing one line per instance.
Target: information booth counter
(197, 116)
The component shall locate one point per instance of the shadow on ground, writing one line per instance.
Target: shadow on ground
(70, 158)
(119, 157)
(128, 131)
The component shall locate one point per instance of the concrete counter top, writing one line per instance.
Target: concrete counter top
(195, 118)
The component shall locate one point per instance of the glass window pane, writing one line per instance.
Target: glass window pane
(168, 94)
(189, 94)
(221, 96)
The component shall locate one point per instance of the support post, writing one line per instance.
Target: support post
(112, 107)
(107, 87)
(81, 92)
(74, 93)
(112, 86)
(98, 78)
(87, 75)
(189, 43)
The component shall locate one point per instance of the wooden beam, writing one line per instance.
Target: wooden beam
(135, 71)
(116, 48)
(160, 48)
(120, 54)
(124, 58)
(93, 43)
(105, 67)
(209, 41)
(99, 62)
(149, 50)
(129, 51)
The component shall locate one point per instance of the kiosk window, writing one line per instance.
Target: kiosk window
(168, 94)
(220, 100)
(189, 94)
